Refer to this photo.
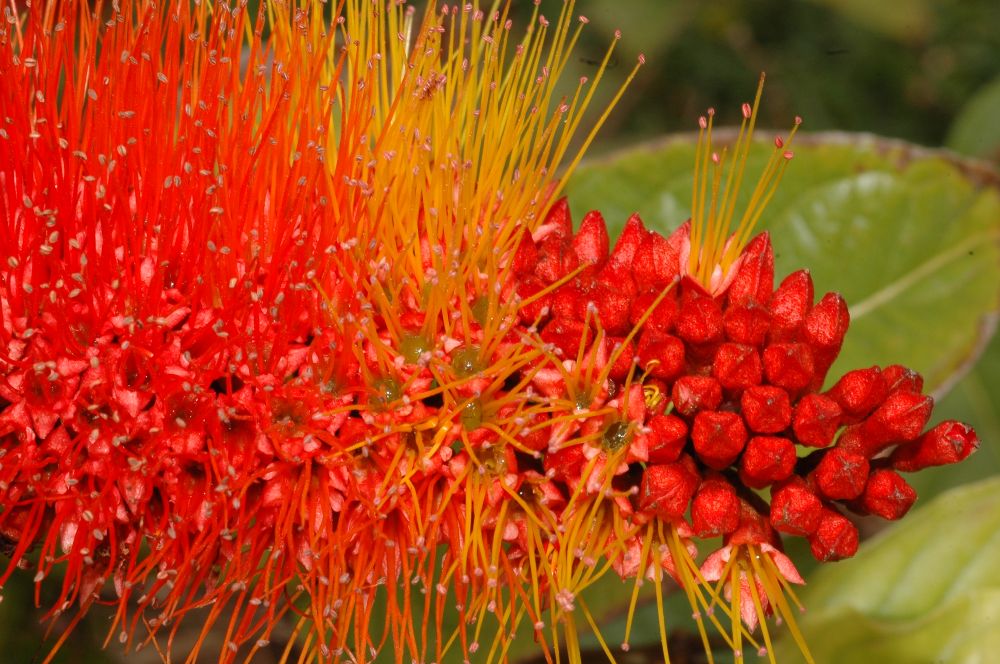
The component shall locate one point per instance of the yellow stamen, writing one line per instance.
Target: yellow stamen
(715, 243)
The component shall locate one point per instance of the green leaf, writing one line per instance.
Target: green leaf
(928, 590)
(908, 236)
(976, 131)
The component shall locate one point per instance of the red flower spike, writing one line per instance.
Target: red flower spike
(718, 438)
(280, 328)
(666, 490)
(859, 392)
(836, 538)
(766, 460)
(715, 509)
(766, 409)
(754, 280)
(841, 474)
(692, 394)
(737, 367)
(747, 324)
(789, 366)
(699, 320)
(888, 495)
(948, 442)
(795, 509)
(816, 420)
(591, 242)
(789, 306)
(667, 437)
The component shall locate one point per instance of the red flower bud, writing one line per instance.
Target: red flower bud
(537, 308)
(662, 354)
(555, 258)
(718, 437)
(699, 320)
(737, 367)
(816, 420)
(525, 257)
(565, 334)
(789, 306)
(900, 418)
(794, 508)
(766, 460)
(948, 442)
(836, 537)
(591, 242)
(789, 366)
(901, 379)
(666, 490)
(667, 438)
(624, 360)
(569, 302)
(766, 409)
(841, 474)
(754, 527)
(754, 281)
(614, 305)
(632, 236)
(715, 509)
(859, 392)
(656, 262)
(888, 495)
(691, 394)
(662, 318)
(824, 330)
(747, 324)
(560, 219)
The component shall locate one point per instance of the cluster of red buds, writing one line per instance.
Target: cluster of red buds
(276, 345)
(738, 378)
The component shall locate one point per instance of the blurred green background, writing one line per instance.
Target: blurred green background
(925, 71)
(910, 69)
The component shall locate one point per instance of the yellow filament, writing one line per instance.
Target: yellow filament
(715, 243)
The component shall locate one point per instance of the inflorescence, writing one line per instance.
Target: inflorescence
(299, 327)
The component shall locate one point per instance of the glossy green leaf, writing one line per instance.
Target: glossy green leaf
(908, 236)
(927, 590)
